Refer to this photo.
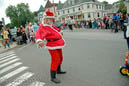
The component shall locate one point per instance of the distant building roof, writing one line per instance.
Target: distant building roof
(69, 3)
(41, 9)
(49, 4)
(60, 5)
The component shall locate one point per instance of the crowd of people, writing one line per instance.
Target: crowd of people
(22, 35)
(115, 22)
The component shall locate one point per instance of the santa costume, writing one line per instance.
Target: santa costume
(55, 43)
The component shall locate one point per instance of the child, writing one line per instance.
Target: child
(32, 36)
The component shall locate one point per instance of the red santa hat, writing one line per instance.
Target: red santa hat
(48, 14)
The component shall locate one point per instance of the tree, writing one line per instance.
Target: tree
(122, 7)
(105, 3)
(19, 14)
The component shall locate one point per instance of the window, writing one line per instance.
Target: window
(88, 6)
(63, 12)
(73, 9)
(89, 15)
(98, 15)
(79, 8)
(68, 11)
(96, 6)
(58, 13)
(99, 6)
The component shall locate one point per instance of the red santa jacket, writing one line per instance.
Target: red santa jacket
(52, 35)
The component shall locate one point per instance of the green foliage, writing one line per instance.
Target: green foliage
(122, 7)
(19, 14)
(105, 3)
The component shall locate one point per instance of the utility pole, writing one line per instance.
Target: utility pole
(53, 6)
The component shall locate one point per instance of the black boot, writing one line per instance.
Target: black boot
(53, 77)
(59, 71)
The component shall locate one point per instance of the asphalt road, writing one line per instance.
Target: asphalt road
(91, 58)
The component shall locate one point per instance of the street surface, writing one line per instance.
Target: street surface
(91, 58)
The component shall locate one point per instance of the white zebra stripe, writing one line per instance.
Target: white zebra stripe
(37, 83)
(21, 79)
(7, 56)
(8, 59)
(4, 54)
(12, 61)
(10, 67)
(9, 75)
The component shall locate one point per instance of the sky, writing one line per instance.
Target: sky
(33, 4)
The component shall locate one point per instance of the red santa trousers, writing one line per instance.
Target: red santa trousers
(56, 58)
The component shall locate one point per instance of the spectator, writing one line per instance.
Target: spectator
(126, 30)
(24, 37)
(10, 35)
(5, 37)
(19, 36)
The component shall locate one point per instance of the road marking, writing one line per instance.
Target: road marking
(21, 79)
(4, 54)
(10, 67)
(8, 59)
(9, 75)
(7, 56)
(5, 64)
(37, 83)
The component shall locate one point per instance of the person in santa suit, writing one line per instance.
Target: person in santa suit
(55, 43)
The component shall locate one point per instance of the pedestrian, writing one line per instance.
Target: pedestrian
(115, 21)
(107, 22)
(103, 25)
(32, 36)
(71, 24)
(55, 43)
(121, 21)
(126, 30)
(28, 30)
(5, 37)
(99, 25)
(24, 37)
(9, 35)
(19, 36)
(90, 24)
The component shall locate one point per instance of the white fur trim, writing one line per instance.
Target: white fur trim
(50, 17)
(38, 40)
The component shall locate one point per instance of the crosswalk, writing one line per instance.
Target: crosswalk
(9, 62)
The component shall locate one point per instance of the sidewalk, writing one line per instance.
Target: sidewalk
(12, 46)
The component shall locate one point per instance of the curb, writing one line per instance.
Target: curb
(9, 49)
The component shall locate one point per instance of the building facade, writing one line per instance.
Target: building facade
(80, 10)
(51, 6)
(40, 13)
(127, 4)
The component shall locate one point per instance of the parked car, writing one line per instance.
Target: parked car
(14, 33)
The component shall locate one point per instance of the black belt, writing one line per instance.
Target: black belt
(53, 40)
